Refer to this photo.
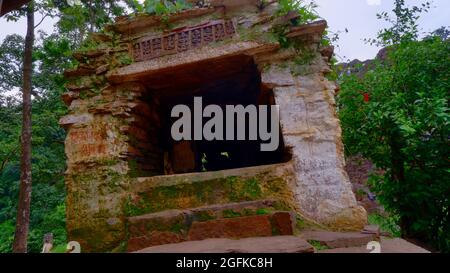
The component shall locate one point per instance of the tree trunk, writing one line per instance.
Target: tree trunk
(23, 211)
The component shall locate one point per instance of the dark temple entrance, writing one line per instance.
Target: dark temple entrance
(228, 81)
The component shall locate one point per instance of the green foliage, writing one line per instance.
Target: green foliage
(403, 24)
(77, 21)
(47, 211)
(135, 5)
(262, 211)
(231, 214)
(59, 249)
(7, 229)
(305, 10)
(318, 245)
(404, 129)
(386, 223)
(11, 51)
(51, 56)
(53, 222)
(397, 115)
(164, 7)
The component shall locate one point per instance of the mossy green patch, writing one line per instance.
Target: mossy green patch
(177, 228)
(262, 211)
(247, 212)
(121, 59)
(229, 213)
(247, 190)
(197, 194)
(204, 216)
(257, 34)
(318, 245)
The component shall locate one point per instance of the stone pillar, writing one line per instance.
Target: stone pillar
(103, 153)
(312, 131)
(96, 181)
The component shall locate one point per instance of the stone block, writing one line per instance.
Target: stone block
(283, 223)
(243, 227)
(155, 238)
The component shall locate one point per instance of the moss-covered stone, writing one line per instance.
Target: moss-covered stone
(196, 194)
(231, 214)
(105, 160)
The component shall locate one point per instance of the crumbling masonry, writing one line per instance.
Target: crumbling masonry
(130, 187)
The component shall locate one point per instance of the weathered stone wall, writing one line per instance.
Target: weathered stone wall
(311, 129)
(113, 118)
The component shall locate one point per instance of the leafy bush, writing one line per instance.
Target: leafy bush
(398, 116)
(163, 7)
(305, 10)
(7, 229)
(53, 222)
(386, 223)
(48, 195)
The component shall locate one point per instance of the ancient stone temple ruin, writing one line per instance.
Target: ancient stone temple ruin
(130, 186)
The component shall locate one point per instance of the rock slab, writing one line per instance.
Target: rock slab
(339, 240)
(278, 244)
(388, 245)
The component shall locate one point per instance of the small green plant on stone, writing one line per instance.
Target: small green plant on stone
(89, 45)
(231, 214)
(257, 34)
(318, 246)
(176, 228)
(306, 14)
(125, 59)
(262, 212)
(164, 7)
(252, 189)
(306, 11)
(205, 216)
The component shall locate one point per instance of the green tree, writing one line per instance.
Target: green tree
(77, 21)
(51, 56)
(398, 116)
(23, 211)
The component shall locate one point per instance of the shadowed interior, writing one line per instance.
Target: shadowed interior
(226, 81)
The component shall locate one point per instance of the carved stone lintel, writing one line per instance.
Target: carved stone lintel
(182, 40)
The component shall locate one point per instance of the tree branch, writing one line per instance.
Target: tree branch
(42, 20)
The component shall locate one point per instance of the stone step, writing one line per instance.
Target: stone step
(234, 220)
(276, 244)
(387, 245)
(166, 220)
(185, 191)
(334, 240)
